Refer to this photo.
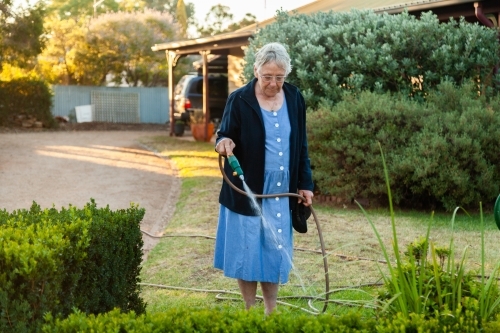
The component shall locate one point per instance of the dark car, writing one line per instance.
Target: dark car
(188, 96)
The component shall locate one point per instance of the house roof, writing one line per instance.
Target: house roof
(217, 44)
(378, 6)
(240, 37)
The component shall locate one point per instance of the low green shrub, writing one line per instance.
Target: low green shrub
(113, 261)
(55, 261)
(26, 98)
(442, 153)
(40, 265)
(184, 320)
(215, 321)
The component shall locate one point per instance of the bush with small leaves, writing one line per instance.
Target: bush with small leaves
(335, 52)
(441, 154)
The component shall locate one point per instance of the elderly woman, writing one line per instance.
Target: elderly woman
(264, 126)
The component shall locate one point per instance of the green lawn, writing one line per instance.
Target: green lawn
(181, 263)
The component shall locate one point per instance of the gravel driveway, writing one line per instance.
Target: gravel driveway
(62, 168)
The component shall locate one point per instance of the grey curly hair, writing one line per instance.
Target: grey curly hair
(273, 52)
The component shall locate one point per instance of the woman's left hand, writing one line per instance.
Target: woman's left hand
(308, 195)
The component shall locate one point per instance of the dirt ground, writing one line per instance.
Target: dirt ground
(77, 162)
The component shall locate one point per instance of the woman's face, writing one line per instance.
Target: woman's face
(268, 77)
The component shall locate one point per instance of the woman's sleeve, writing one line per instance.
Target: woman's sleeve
(305, 173)
(229, 122)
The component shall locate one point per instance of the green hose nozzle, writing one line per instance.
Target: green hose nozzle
(235, 165)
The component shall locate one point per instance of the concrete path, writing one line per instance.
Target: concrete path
(63, 168)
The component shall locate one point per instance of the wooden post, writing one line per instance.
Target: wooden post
(206, 106)
(172, 58)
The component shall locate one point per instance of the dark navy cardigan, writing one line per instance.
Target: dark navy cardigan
(242, 122)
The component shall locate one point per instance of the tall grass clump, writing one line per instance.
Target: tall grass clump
(429, 283)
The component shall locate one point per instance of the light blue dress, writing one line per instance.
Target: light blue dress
(253, 248)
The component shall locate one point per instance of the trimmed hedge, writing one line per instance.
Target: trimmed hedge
(55, 261)
(442, 153)
(26, 98)
(40, 265)
(224, 320)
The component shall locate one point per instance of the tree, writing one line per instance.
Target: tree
(77, 8)
(21, 34)
(171, 7)
(182, 17)
(246, 21)
(57, 61)
(114, 43)
(218, 20)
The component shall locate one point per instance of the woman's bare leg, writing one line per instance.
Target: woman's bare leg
(270, 294)
(248, 290)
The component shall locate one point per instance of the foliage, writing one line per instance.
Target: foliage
(170, 6)
(25, 98)
(420, 286)
(181, 16)
(115, 43)
(21, 37)
(57, 63)
(76, 9)
(113, 261)
(360, 50)
(197, 117)
(10, 72)
(55, 261)
(79, 8)
(34, 250)
(218, 20)
(199, 320)
(221, 320)
(441, 153)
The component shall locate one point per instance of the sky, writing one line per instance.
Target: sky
(262, 9)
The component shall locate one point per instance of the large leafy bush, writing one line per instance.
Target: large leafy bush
(359, 50)
(443, 153)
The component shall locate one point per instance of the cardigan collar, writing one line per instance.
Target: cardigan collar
(248, 94)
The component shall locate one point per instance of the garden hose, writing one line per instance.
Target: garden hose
(238, 172)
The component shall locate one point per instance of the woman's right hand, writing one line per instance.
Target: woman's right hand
(225, 147)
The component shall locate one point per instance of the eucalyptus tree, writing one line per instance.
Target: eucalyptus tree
(219, 20)
(116, 45)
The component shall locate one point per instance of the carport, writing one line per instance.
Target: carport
(228, 45)
(232, 45)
